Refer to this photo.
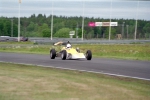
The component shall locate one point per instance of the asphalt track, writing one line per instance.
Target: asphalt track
(124, 68)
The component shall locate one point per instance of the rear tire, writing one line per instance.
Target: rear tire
(52, 53)
(88, 55)
(64, 55)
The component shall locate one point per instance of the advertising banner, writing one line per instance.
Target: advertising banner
(93, 24)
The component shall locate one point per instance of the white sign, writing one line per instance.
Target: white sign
(114, 24)
(98, 23)
(72, 33)
(106, 23)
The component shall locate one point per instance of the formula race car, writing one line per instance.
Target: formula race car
(68, 52)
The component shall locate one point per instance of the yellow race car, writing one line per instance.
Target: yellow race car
(69, 52)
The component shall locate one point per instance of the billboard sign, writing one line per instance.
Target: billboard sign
(93, 24)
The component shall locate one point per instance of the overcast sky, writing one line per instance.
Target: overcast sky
(126, 9)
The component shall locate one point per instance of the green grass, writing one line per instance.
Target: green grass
(123, 51)
(119, 51)
(22, 82)
(21, 42)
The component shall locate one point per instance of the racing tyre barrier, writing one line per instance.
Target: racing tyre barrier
(88, 55)
(52, 53)
(64, 55)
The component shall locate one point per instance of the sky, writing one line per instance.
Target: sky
(126, 9)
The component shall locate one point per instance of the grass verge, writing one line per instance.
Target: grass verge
(22, 82)
(119, 51)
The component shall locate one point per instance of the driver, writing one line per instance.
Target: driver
(68, 45)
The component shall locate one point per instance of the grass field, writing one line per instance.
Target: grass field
(119, 51)
(22, 82)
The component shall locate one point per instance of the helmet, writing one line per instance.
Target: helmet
(68, 45)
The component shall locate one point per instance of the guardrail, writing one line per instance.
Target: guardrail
(85, 41)
(39, 40)
(4, 39)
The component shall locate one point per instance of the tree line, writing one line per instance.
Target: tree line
(40, 26)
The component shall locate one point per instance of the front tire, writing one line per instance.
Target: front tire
(64, 55)
(88, 55)
(52, 53)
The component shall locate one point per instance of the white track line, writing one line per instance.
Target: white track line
(82, 71)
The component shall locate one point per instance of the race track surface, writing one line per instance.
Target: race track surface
(126, 68)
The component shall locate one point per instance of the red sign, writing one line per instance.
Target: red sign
(91, 24)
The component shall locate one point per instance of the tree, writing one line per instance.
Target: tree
(43, 30)
(58, 26)
(63, 33)
(46, 32)
(30, 27)
(96, 32)
(80, 33)
(1, 28)
(90, 34)
(7, 28)
(15, 30)
(113, 33)
(38, 26)
(147, 28)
